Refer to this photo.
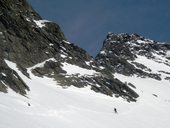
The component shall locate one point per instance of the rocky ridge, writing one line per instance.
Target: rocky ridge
(120, 52)
(31, 42)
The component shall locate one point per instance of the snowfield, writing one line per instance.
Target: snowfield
(168, 54)
(73, 69)
(48, 105)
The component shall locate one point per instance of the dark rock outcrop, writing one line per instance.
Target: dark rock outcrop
(120, 51)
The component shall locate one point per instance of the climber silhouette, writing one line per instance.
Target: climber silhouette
(115, 110)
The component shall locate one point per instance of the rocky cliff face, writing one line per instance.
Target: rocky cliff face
(121, 52)
(40, 45)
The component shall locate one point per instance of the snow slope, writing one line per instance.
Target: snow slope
(50, 106)
(73, 69)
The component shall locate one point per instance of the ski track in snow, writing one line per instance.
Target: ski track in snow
(52, 106)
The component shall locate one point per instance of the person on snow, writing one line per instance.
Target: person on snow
(115, 110)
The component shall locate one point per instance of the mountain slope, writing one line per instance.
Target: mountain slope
(27, 40)
(53, 106)
(126, 54)
(137, 61)
(46, 81)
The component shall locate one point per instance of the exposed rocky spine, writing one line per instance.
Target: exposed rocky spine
(120, 51)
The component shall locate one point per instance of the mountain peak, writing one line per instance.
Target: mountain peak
(126, 38)
(17, 8)
(120, 49)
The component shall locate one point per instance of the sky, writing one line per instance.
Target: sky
(87, 22)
